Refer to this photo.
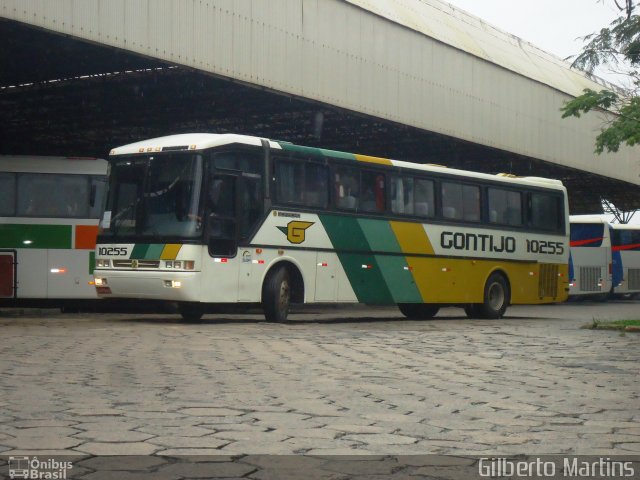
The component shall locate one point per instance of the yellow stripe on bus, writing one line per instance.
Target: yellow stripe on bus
(367, 158)
(462, 280)
(170, 251)
(412, 238)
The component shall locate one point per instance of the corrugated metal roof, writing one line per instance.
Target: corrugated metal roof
(459, 29)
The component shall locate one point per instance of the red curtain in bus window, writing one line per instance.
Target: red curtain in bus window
(6, 275)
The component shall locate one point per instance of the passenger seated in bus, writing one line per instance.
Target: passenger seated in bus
(449, 212)
(346, 192)
(368, 203)
(422, 209)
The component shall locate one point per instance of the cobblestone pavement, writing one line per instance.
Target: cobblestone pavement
(354, 381)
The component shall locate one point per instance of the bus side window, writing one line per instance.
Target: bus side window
(505, 207)
(347, 188)
(242, 161)
(251, 200)
(48, 195)
(7, 194)
(402, 195)
(97, 194)
(545, 212)
(290, 181)
(372, 197)
(316, 190)
(451, 200)
(424, 197)
(221, 197)
(460, 202)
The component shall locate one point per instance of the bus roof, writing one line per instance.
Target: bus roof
(625, 226)
(42, 164)
(587, 219)
(202, 141)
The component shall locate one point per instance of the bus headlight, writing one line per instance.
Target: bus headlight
(103, 263)
(173, 283)
(99, 282)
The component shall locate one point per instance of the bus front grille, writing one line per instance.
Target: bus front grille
(633, 279)
(590, 279)
(548, 281)
(140, 264)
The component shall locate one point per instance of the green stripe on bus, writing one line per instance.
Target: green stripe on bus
(362, 269)
(396, 273)
(365, 276)
(399, 279)
(92, 261)
(139, 251)
(379, 235)
(35, 236)
(317, 151)
(154, 252)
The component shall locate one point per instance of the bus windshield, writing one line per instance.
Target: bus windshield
(156, 195)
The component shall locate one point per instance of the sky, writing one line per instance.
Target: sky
(553, 25)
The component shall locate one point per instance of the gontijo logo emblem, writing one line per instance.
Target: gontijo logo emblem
(295, 230)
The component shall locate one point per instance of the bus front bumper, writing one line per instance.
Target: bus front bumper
(148, 285)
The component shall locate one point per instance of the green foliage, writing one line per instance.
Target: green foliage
(617, 46)
(597, 324)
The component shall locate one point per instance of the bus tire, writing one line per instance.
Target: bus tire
(472, 311)
(276, 295)
(419, 311)
(496, 297)
(191, 312)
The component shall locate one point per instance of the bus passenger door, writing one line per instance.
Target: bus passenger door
(222, 223)
(250, 213)
(221, 236)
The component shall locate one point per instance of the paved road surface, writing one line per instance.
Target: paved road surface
(352, 381)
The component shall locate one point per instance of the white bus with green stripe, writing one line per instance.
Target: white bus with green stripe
(207, 219)
(49, 213)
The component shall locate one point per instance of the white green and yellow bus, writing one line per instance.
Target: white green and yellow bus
(49, 213)
(203, 219)
(590, 261)
(625, 241)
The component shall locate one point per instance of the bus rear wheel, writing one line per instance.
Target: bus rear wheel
(496, 298)
(276, 295)
(418, 311)
(191, 312)
(472, 310)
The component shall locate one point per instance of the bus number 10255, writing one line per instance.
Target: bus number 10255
(544, 247)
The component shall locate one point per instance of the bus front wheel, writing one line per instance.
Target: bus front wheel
(418, 311)
(496, 298)
(276, 295)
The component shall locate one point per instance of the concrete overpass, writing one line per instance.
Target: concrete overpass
(409, 79)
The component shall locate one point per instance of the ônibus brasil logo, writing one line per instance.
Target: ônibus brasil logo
(32, 468)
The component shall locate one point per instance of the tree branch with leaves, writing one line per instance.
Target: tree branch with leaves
(617, 47)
